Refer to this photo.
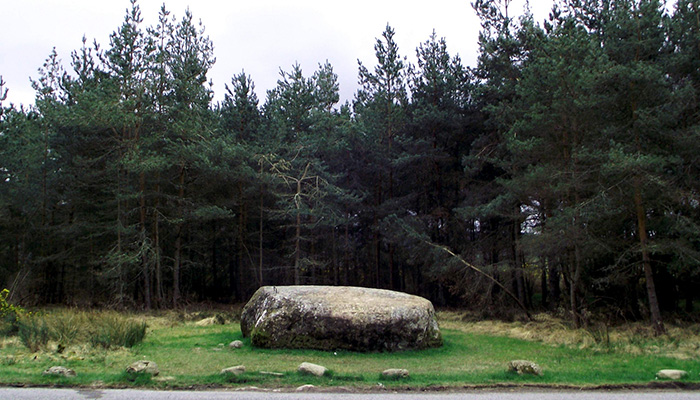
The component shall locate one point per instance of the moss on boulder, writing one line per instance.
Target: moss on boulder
(333, 318)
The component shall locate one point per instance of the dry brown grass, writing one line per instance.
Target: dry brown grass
(681, 342)
(9, 341)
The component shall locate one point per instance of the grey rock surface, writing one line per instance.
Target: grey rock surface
(339, 317)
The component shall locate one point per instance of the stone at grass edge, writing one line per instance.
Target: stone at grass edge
(397, 373)
(339, 317)
(236, 344)
(143, 367)
(524, 367)
(305, 388)
(312, 369)
(672, 374)
(268, 373)
(237, 370)
(60, 371)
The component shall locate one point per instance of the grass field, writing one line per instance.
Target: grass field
(474, 353)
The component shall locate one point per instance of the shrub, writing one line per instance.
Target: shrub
(7, 308)
(9, 315)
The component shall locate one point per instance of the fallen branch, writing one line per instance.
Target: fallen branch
(480, 272)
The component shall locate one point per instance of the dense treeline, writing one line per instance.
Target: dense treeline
(559, 173)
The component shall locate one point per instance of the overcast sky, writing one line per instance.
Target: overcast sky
(258, 36)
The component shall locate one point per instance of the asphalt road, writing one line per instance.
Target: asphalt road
(85, 394)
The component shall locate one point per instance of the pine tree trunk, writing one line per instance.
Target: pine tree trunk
(156, 247)
(178, 240)
(297, 248)
(260, 233)
(574, 288)
(121, 278)
(240, 236)
(376, 239)
(334, 254)
(145, 267)
(543, 285)
(657, 323)
(346, 267)
(554, 287)
(517, 261)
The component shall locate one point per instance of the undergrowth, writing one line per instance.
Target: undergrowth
(635, 338)
(64, 328)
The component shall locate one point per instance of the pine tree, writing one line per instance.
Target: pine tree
(684, 65)
(636, 93)
(300, 111)
(380, 113)
(493, 210)
(191, 57)
(555, 150)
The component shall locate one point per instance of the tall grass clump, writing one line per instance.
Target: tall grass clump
(114, 330)
(63, 328)
(67, 326)
(34, 332)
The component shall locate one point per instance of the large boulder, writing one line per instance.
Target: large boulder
(337, 317)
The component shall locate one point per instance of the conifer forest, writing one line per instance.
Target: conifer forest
(560, 173)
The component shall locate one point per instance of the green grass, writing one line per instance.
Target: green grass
(190, 355)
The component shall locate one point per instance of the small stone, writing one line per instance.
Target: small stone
(143, 367)
(395, 373)
(237, 370)
(524, 367)
(672, 374)
(312, 369)
(236, 344)
(278, 374)
(248, 389)
(305, 388)
(60, 371)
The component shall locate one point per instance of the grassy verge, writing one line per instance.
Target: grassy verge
(473, 354)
